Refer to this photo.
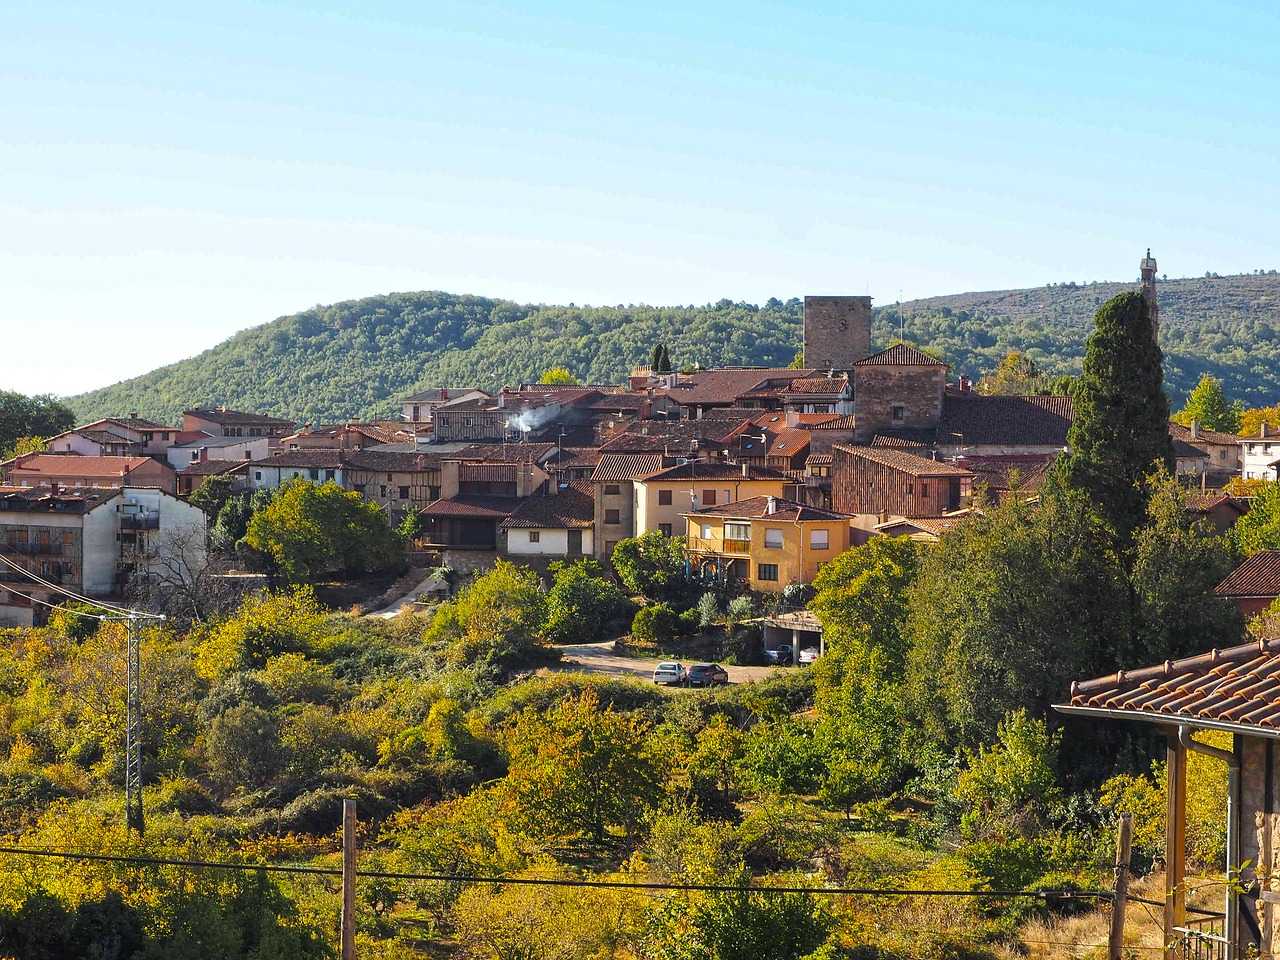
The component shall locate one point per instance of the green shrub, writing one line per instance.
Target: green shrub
(657, 623)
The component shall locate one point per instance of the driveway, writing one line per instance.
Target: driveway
(600, 658)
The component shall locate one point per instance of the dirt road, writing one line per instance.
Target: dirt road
(600, 658)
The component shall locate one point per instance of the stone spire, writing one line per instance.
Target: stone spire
(1149, 293)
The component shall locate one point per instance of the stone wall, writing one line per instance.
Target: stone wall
(889, 397)
(837, 331)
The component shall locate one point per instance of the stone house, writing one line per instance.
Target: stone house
(874, 483)
(897, 389)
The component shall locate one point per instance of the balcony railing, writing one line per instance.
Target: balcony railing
(139, 521)
(715, 545)
(9, 575)
(33, 549)
(1201, 938)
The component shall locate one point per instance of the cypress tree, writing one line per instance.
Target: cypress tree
(655, 364)
(1121, 431)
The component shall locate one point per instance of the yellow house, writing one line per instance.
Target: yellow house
(663, 497)
(764, 543)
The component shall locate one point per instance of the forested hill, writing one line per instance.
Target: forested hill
(353, 359)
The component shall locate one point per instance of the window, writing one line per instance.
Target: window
(664, 529)
(708, 498)
(329, 475)
(257, 474)
(388, 478)
(706, 531)
(382, 490)
(611, 490)
(404, 493)
(767, 571)
(313, 473)
(737, 531)
(535, 536)
(773, 537)
(444, 421)
(924, 489)
(248, 454)
(819, 539)
(359, 488)
(727, 498)
(898, 413)
(471, 422)
(611, 516)
(664, 498)
(68, 536)
(911, 489)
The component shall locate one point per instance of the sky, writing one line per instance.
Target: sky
(171, 174)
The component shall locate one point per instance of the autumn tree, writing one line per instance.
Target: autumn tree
(311, 531)
(1208, 407)
(581, 602)
(1121, 429)
(1259, 529)
(1251, 420)
(1017, 375)
(558, 376)
(498, 618)
(581, 769)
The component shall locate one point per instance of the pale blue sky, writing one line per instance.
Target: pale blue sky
(171, 175)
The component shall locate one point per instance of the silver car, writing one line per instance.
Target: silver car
(669, 672)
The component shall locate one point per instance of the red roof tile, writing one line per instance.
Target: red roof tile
(906, 462)
(620, 467)
(757, 508)
(1258, 576)
(1231, 689)
(900, 355)
(572, 508)
(58, 466)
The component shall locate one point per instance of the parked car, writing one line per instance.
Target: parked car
(669, 672)
(808, 655)
(706, 675)
(782, 655)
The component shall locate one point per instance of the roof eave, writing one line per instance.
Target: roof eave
(1169, 720)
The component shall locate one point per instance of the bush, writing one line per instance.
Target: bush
(657, 623)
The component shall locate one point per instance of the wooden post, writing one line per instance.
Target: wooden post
(1120, 896)
(348, 879)
(1175, 847)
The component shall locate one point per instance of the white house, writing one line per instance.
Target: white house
(317, 465)
(182, 455)
(558, 525)
(1260, 456)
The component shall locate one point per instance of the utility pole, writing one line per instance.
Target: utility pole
(133, 729)
(348, 926)
(1124, 844)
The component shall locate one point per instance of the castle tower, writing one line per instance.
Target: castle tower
(837, 331)
(1149, 293)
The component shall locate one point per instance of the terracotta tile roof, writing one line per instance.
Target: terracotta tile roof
(726, 386)
(1204, 502)
(204, 440)
(138, 423)
(214, 415)
(1258, 576)
(434, 394)
(472, 506)
(998, 472)
(315, 459)
(98, 436)
(42, 499)
(900, 355)
(213, 468)
(702, 470)
(1234, 689)
(621, 467)
(757, 508)
(674, 436)
(779, 419)
(575, 458)
(615, 402)
(908, 463)
(819, 458)
(373, 431)
(1179, 432)
(936, 526)
(1185, 451)
(973, 419)
(899, 442)
(390, 461)
(60, 466)
(572, 508)
(730, 413)
(845, 422)
(505, 452)
(818, 385)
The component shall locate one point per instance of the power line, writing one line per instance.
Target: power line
(557, 881)
(59, 589)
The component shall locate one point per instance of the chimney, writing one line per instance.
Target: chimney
(770, 506)
(1262, 431)
(963, 384)
(54, 489)
(746, 471)
(502, 399)
(793, 418)
(444, 393)
(133, 415)
(204, 454)
(1195, 430)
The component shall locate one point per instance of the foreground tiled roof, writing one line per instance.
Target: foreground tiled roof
(472, 506)
(138, 423)
(1204, 502)
(921, 440)
(524, 452)
(42, 498)
(1236, 688)
(620, 467)
(658, 436)
(973, 419)
(73, 466)
(936, 526)
(572, 508)
(702, 470)
(900, 355)
(392, 461)
(908, 463)
(824, 385)
(235, 417)
(1258, 576)
(757, 508)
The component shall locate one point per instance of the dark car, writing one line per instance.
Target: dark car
(706, 675)
(783, 656)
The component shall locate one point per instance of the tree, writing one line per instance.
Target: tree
(1207, 406)
(310, 531)
(498, 617)
(181, 578)
(580, 769)
(1121, 429)
(651, 564)
(1259, 529)
(558, 376)
(212, 495)
(40, 416)
(580, 602)
(1016, 375)
(1251, 420)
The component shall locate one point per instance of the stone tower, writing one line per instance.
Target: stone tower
(1148, 294)
(837, 331)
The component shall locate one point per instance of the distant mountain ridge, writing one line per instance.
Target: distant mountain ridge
(355, 358)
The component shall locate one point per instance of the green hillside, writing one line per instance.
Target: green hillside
(353, 359)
